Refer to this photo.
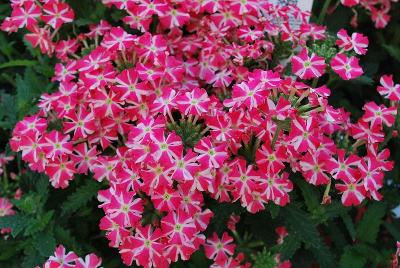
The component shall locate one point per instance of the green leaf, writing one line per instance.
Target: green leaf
(348, 222)
(32, 258)
(273, 209)
(368, 228)
(393, 51)
(264, 259)
(310, 195)
(7, 111)
(290, 245)
(65, 237)
(395, 232)
(222, 212)
(9, 249)
(300, 223)
(45, 243)
(363, 80)
(39, 224)
(80, 197)
(370, 253)
(351, 258)
(16, 222)
(29, 203)
(24, 96)
(335, 209)
(42, 186)
(17, 63)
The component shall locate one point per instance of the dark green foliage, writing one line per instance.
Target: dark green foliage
(80, 197)
(264, 259)
(289, 246)
(39, 225)
(368, 228)
(300, 224)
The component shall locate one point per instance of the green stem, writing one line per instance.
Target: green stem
(327, 190)
(314, 83)
(5, 177)
(276, 134)
(324, 10)
(255, 244)
(237, 237)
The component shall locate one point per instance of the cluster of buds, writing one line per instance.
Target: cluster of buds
(199, 105)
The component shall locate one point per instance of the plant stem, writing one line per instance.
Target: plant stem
(276, 134)
(5, 177)
(326, 193)
(314, 83)
(322, 15)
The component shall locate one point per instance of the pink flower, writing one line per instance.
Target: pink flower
(244, 180)
(114, 232)
(302, 135)
(124, 209)
(90, 261)
(178, 226)
(357, 41)
(346, 68)
(378, 115)
(61, 258)
(40, 37)
(353, 192)
(57, 13)
(25, 15)
(350, 3)
(314, 169)
(82, 124)
(219, 249)
(60, 170)
(144, 247)
(56, 144)
(194, 102)
(5, 207)
(210, 155)
(250, 95)
(388, 88)
(169, 147)
(166, 199)
(174, 18)
(380, 17)
(118, 39)
(151, 46)
(362, 130)
(274, 187)
(282, 232)
(308, 67)
(344, 168)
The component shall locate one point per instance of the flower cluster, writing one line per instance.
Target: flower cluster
(199, 106)
(64, 259)
(42, 19)
(377, 10)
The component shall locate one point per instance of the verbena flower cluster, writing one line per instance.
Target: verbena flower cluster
(195, 100)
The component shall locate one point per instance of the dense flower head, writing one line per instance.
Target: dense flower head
(192, 110)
